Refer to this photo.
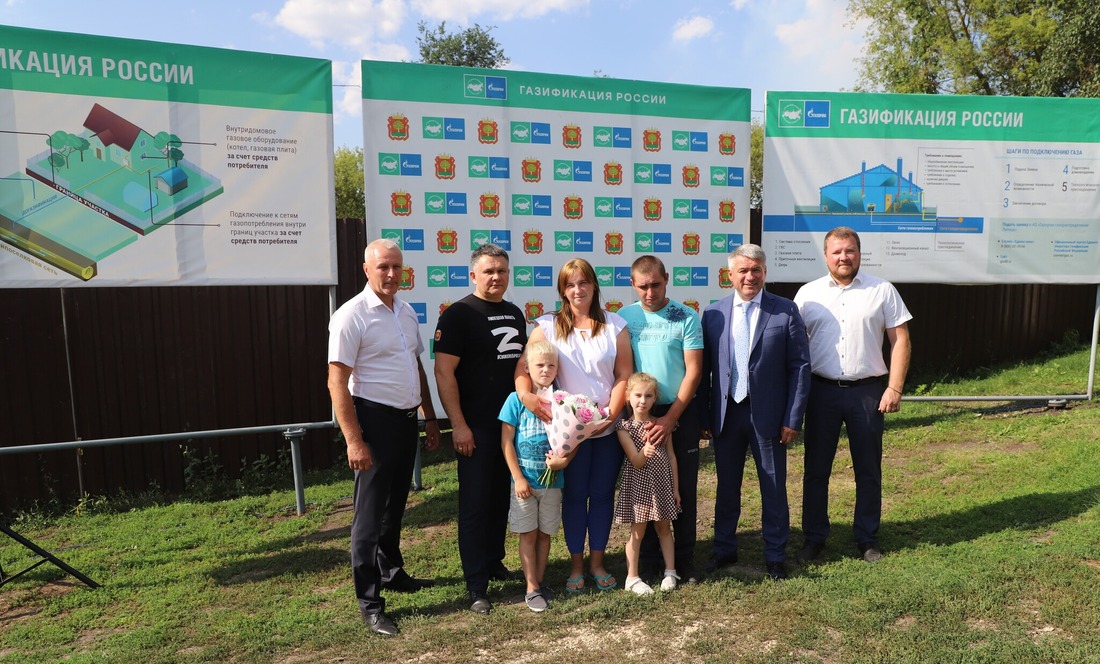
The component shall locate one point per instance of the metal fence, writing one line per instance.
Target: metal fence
(105, 363)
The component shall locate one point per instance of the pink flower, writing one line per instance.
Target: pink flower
(560, 395)
(585, 414)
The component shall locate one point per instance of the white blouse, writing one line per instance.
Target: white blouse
(586, 365)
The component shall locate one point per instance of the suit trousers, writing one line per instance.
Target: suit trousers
(856, 407)
(380, 496)
(685, 444)
(483, 501)
(738, 437)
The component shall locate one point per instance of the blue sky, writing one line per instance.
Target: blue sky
(756, 44)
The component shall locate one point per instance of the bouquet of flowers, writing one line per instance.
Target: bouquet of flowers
(574, 417)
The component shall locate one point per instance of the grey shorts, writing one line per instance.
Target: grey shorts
(541, 510)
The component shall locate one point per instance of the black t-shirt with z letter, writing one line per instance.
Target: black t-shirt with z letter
(488, 338)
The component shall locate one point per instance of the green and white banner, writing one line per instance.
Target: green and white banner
(553, 167)
(135, 163)
(942, 189)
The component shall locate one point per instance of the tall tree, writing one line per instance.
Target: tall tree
(756, 169)
(472, 47)
(348, 163)
(989, 47)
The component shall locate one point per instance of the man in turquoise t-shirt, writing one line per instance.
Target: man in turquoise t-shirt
(667, 340)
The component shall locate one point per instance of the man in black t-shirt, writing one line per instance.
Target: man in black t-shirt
(477, 343)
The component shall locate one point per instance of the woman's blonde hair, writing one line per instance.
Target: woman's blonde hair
(563, 319)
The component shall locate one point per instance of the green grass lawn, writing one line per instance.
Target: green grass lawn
(991, 529)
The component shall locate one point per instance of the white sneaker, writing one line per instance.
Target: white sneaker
(638, 587)
(669, 582)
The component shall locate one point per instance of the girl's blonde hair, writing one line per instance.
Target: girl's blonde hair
(642, 377)
(539, 348)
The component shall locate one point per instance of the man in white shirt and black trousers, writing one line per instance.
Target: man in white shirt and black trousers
(847, 313)
(377, 383)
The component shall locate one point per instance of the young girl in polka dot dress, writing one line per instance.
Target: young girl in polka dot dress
(648, 490)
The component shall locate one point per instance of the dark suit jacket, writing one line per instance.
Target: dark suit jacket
(779, 366)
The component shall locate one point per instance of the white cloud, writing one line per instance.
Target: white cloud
(825, 36)
(462, 11)
(687, 29)
(739, 4)
(353, 23)
(348, 91)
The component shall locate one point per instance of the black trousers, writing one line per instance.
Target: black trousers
(381, 494)
(685, 443)
(483, 500)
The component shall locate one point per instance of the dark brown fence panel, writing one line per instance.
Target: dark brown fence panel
(167, 360)
(962, 328)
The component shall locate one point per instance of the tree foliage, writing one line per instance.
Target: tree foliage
(349, 183)
(756, 169)
(63, 144)
(472, 47)
(985, 47)
(168, 145)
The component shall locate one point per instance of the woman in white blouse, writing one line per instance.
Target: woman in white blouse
(594, 359)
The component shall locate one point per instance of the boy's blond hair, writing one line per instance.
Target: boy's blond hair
(540, 348)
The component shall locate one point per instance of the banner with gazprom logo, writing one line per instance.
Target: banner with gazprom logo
(941, 188)
(553, 167)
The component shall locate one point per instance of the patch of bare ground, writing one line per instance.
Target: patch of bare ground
(1042, 538)
(89, 638)
(308, 657)
(1095, 564)
(905, 622)
(1040, 629)
(981, 625)
(22, 602)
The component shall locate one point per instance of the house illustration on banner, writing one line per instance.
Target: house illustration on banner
(877, 199)
(105, 187)
(879, 189)
(114, 138)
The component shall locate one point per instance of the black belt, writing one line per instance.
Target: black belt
(397, 412)
(849, 383)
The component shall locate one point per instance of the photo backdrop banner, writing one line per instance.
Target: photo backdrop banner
(136, 163)
(941, 188)
(553, 167)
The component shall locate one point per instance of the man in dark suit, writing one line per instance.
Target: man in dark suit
(756, 382)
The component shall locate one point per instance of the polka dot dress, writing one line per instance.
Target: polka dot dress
(645, 494)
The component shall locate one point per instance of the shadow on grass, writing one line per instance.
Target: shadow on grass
(1019, 513)
(284, 558)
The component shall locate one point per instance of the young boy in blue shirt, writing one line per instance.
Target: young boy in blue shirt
(535, 510)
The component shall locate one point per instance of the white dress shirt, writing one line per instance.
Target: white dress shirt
(381, 346)
(846, 324)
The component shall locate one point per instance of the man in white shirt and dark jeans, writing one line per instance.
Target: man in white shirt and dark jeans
(377, 383)
(846, 314)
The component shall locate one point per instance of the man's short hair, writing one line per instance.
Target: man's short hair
(487, 250)
(841, 233)
(648, 265)
(384, 243)
(540, 348)
(753, 252)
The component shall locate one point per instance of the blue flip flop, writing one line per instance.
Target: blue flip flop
(604, 581)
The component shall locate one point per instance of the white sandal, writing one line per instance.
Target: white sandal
(669, 582)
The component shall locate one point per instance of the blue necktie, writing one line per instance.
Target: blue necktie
(741, 354)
